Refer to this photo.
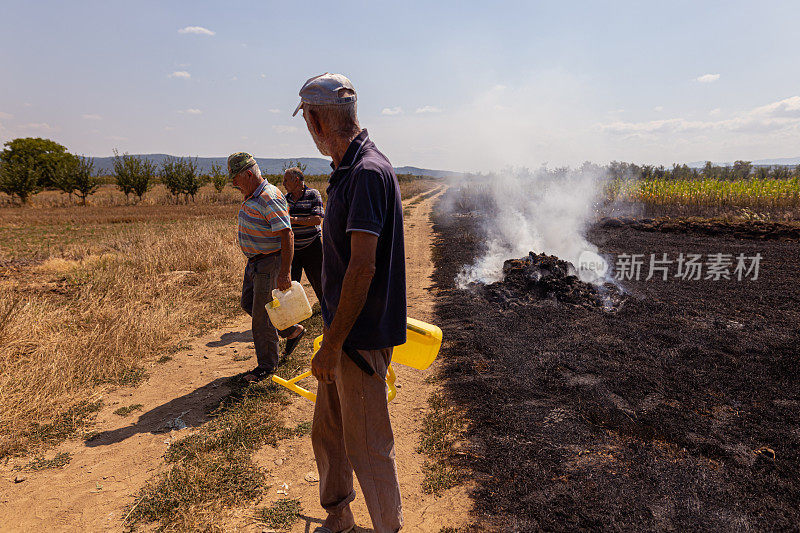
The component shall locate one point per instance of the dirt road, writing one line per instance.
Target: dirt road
(92, 492)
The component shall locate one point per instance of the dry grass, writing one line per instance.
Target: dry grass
(110, 196)
(90, 316)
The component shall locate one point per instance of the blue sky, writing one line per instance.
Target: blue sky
(456, 85)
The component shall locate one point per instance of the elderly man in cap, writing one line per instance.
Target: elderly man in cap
(305, 211)
(363, 308)
(265, 237)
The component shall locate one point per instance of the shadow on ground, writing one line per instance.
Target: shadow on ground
(231, 337)
(312, 522)
(187, 411)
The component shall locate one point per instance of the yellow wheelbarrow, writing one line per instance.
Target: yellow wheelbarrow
(420, 350)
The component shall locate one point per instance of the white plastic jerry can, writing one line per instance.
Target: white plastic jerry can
(290, 307)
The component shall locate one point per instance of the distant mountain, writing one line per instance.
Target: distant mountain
(315, 165)
(784, 161)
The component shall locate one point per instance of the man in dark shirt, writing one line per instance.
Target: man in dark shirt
(363, 308)
(305, 212)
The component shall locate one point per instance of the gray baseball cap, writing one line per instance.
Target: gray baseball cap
(324, 90)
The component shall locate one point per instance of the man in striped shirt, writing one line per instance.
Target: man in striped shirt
(266, 239)
(305, 212)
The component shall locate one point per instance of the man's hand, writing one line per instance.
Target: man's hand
(284, 281)
(323, 365)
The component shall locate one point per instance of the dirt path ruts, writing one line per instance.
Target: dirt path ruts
(91, 492)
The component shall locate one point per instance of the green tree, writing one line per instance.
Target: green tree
(85, 179)
(42, 155)
(179, 176)
(134, 175)
(761, 173)
(19, 177)
(291, 164)
(742, 169)
(192, 181)
(218, 178)
(780, 172)
(63, 177)
(709, 170)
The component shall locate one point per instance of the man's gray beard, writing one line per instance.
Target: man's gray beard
(320, 145)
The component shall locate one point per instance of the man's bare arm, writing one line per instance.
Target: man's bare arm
(355, 287)
(287, 254)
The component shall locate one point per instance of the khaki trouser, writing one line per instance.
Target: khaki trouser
(352, 432)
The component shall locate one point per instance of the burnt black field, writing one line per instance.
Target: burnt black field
(679, 410)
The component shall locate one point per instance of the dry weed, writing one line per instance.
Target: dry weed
(94, 315)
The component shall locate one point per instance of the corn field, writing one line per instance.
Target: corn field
(751, 193)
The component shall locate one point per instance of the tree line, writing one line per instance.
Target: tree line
(29, 165)
(740, 170)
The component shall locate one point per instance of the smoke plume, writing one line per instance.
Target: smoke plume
(541, 211)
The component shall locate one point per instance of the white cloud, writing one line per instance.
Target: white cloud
(783, 115)
(37, 126)
(191, 111)
(428, 109)
(284, 129)
(195, 30)
(658, 108)
(391, 111)
(707, 78)
(180, 74)
(786, 108)
(91, 116)
(274, 110)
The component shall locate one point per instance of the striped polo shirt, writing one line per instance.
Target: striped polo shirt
(309, 204)
(263, 214)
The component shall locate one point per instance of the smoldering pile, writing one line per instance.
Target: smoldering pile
(539, 277)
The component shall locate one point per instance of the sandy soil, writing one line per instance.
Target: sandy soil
(93, 491)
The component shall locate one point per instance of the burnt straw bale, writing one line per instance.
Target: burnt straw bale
(546, 277)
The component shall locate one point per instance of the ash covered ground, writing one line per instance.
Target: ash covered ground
(678, 411)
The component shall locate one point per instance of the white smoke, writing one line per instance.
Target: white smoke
(541, 211)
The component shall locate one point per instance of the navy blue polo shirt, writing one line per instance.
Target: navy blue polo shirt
(363, 195)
